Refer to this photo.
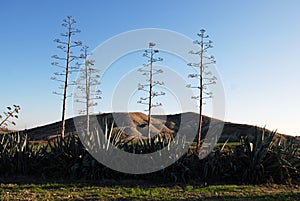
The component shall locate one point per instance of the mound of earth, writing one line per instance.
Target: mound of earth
(134, 125)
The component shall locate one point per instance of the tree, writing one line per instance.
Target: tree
(205, 77)
(11, 113)
(65, 62)
(149, 71)
(88, 79)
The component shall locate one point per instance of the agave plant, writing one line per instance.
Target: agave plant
(17, 155)
(219, 166)
(288, 161)
(252, 156)
(268, 158)
(62, 156)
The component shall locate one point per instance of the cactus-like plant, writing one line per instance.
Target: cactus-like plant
(252, 155)
(267, 158)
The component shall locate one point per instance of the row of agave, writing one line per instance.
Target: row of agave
(267, 158)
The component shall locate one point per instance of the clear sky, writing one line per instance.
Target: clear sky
(256, 45)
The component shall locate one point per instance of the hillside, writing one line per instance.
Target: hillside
(3, 130)
(133, 124)
(6, 130)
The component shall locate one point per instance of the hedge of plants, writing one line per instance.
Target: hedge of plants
(266, 159)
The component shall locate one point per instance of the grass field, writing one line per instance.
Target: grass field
(56, 191)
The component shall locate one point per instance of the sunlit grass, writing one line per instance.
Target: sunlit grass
(56, 191)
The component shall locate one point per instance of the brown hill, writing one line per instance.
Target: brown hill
(3, 130)
(134, 124)
(6, 130)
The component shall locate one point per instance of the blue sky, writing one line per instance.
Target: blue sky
(256, 45)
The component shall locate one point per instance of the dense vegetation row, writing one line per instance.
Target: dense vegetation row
(267, 159)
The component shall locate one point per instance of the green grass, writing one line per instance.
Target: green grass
(230, 144)
(57, 191)
(219, 144)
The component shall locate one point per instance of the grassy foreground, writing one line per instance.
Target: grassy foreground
(56, 191)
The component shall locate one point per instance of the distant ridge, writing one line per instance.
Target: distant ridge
(4, 130)
(133, 123)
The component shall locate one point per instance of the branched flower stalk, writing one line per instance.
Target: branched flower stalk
(65, 63)
(149, 71)
(11, 113)
(88, 80)
(204, 76)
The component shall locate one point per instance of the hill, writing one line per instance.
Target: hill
(134, 124)
(3, 130)
(6, 130)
